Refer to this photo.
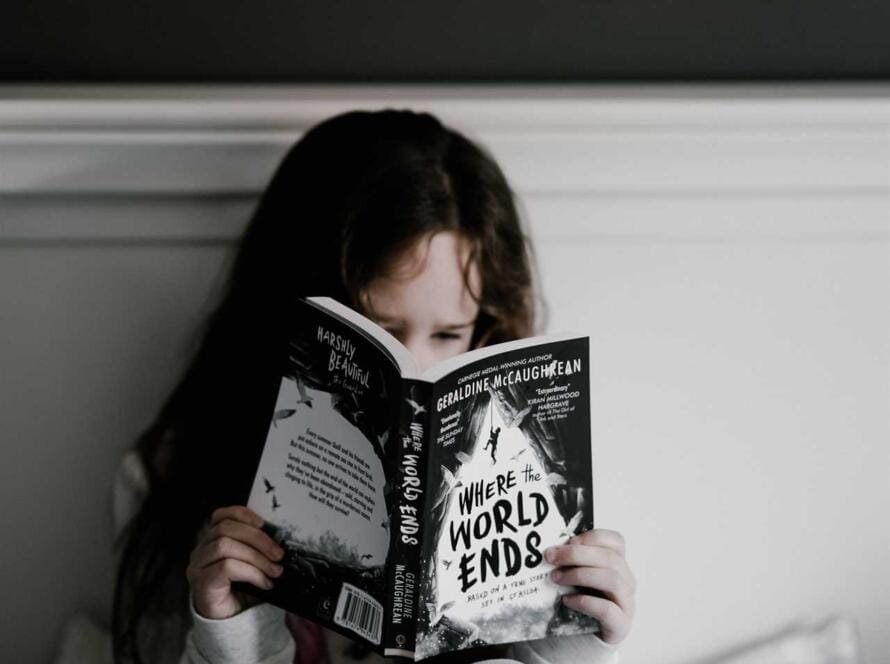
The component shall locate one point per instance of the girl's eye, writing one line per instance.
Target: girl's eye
(446, 336)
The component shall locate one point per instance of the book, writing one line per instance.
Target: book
(414, 507)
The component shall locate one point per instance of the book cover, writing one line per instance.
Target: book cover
(509, 475)
(414, 508)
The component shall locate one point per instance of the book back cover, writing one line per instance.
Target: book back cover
(324, 477)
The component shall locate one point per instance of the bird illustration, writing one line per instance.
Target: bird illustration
(304, 397)
(463, 457)
(554, 479)
(551, 370)
(518, 417)
(516, 456)
(571, 526)
(384, 525)
(447, 563)
(305, 566)
(366, 555)
(509, 414)
(418, 409)
(451, 482)
(275, 503)
(281, 415)
(269, 486)
(382, 438)
(300, 363)
(451, 478)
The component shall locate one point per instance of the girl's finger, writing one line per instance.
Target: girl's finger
(609, 582)
(240, 531)
(225, 547)
(615, 623)
(220, 576)
(237, 513)
(583, 554)
(610, 539)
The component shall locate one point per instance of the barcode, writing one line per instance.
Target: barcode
(360, 612)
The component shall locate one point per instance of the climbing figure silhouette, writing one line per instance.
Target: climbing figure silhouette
(493, 441)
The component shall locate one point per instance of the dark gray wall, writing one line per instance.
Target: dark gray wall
(457, 41)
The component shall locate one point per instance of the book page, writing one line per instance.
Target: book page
(509, 475)
(323, 477)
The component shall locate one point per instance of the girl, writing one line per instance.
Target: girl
(412, 224)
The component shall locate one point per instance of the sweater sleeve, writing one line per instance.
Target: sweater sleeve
(257, 635)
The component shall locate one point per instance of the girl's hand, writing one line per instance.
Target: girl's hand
(595, 559)
(233, 549)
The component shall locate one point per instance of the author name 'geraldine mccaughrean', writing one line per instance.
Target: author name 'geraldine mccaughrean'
(518, 375)
(402, 595)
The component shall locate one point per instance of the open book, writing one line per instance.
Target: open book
(414, 508)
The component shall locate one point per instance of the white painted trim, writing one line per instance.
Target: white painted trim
(708, 152)
(599, 217)
(497, 106)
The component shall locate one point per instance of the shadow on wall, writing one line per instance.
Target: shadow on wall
(831, 640)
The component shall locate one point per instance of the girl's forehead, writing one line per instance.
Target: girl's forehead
(429, 283)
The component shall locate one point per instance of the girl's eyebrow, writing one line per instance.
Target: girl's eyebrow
(384, 320)
(458, 326)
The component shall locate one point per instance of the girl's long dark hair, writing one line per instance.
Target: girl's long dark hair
(348, 197)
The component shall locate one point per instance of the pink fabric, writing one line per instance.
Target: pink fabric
(311, 643)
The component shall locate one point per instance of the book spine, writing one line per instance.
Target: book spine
(404, 565)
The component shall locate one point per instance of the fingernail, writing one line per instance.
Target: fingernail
(556, 575)
(279, 554)
(550, 554)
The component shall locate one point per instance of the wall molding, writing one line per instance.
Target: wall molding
(632, 149)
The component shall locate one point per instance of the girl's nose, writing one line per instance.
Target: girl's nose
(421, 352)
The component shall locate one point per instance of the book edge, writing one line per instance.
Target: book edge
(447, 366)
(402, 356)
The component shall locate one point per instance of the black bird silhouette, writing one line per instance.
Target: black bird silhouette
(366, 555)
(304, 397)
(281, 414)
(447, 563)
(269, 487)
(275, 504)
